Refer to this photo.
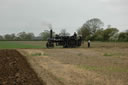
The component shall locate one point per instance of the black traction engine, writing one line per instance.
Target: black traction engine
(65, 41)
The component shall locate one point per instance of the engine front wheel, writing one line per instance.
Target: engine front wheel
(49, 45)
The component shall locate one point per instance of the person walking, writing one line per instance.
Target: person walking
(89, 42)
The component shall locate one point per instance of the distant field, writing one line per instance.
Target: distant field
(21, 44)
(41, 44)
(106, 44)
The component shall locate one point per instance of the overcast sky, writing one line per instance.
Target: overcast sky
(35, 15)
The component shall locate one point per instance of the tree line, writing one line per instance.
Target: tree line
(18, 36)
(23, 36)
(91, 30)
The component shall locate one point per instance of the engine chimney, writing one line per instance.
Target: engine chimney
(51, 33)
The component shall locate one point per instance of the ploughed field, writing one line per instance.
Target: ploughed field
(105, 63)
(15, 70)
(80, 66)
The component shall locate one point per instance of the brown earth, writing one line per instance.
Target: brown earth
(14, 70)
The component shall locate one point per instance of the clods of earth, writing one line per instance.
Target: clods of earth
(15, 70)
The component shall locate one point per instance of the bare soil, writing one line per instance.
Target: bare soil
(14, 70)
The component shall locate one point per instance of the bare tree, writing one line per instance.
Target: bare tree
(1, 37)
(63, 32)
(45, 34)
(93, 25)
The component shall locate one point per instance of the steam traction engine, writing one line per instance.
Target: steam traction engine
(65, 41)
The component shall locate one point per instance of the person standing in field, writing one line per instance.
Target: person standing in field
(89, 42)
